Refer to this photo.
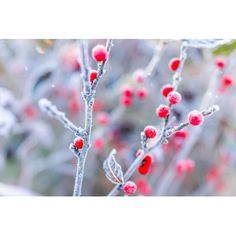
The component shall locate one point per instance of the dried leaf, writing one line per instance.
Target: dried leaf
(225, 49)
(113, 170)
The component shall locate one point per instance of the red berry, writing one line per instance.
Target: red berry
(143, 187)
(30, 111)
(129, 187)
(142, 93)
(182, 134)
(220, 63)
(189, 165)
(74, 105)
(126, 101)
(174, 64)
(70, 59)
(78, 143)
(99, 53)
(162, 111)
(139, 76)
(180, 167)
(145, 166)
(195, 118)
(150, 132)
(98, 105)
(98, 143)
(103, 118)
(127, 92)
(93, 75)
(166, 89)
(227, 81)
(213, 173)
(143, 170)
(174, 97)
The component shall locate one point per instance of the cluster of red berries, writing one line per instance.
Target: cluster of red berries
(128, 94)
(172, 96)
(129, 188)
(184, 166)
(226, 80)
(99, 54)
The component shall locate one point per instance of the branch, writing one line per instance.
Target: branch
(46, 106)
(166, 135)
(88, 95)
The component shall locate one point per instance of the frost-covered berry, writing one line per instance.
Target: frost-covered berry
(127, 91)
(174, 64)
(142, 93)
(99, 53)
(150, 132)
(129, 188)
(227, 81)
(74, 105)
(220, 63)
(181, 134)
(166, 89)
(103, 118)
(78, 143)
(70, 59)
(162, 111)
(30, 111)
(189, 165)
(195, 118)
(98, 143)
(126, 101)
(144, 170)
(145, 166)
(93, 75)
(174, 97)
(139, 76)
(143, 187)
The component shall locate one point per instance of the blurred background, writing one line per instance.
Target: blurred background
(34, 155)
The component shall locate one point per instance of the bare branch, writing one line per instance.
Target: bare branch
(46, 106)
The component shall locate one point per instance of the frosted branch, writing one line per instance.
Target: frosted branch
(47, 107)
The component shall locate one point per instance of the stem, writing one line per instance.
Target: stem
(88, 95)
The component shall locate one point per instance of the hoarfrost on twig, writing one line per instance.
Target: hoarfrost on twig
(46, 106)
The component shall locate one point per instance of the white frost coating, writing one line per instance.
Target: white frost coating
(7, 121)
(6, 97)
(205, 43)
(44, 104)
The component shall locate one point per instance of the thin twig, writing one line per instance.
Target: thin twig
(46, 106)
